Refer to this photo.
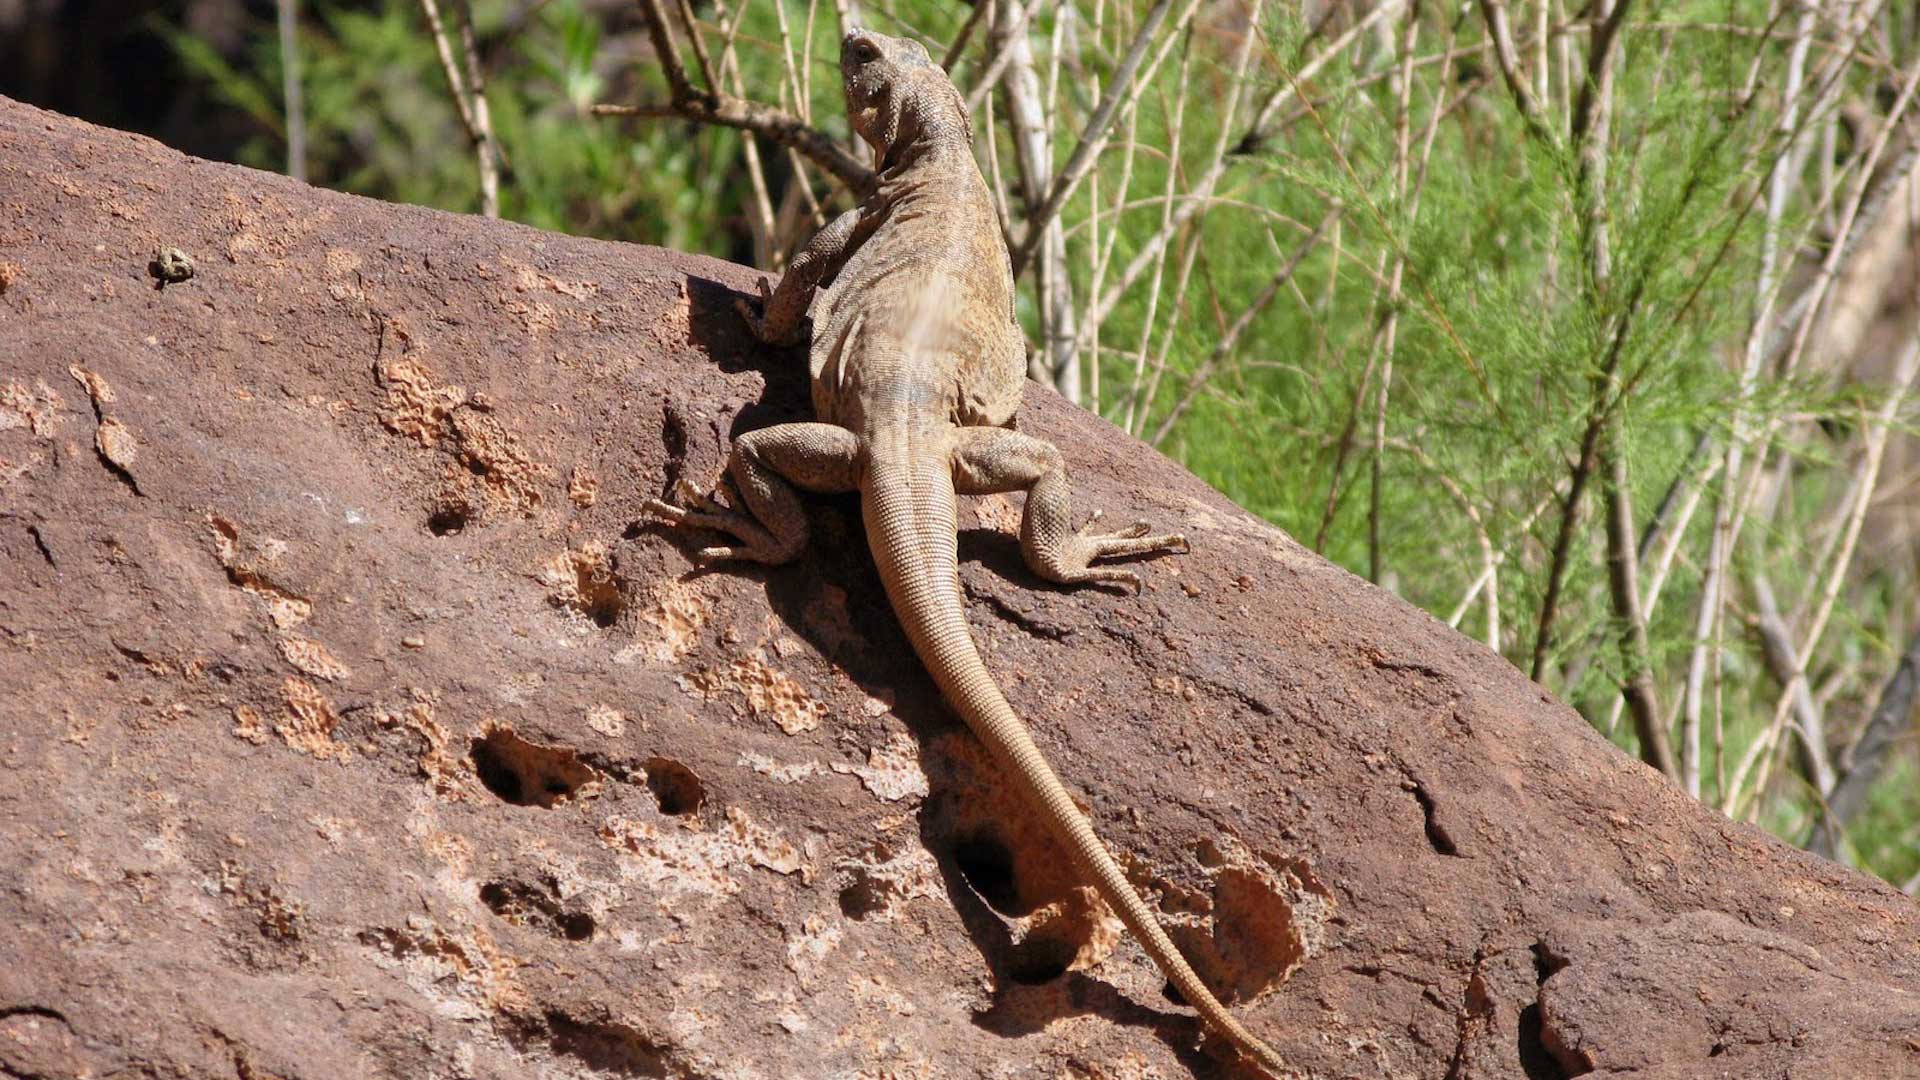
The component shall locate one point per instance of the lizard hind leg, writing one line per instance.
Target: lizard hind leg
(767, 469)
(989, 460)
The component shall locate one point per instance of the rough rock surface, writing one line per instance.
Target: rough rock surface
(354, 725)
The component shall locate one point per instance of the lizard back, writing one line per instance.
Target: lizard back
(921, 315)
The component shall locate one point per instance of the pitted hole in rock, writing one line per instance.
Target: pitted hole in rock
(987, 865)
(676, 789)
(875, 883)
(450, 518)
(1257, 919)
(523, 904)
(981, 825)
(1042, 957)
(597, 593)
(1047, 937)
(864, 898)
(527, 774)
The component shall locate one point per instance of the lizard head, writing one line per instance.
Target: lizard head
(897, 97)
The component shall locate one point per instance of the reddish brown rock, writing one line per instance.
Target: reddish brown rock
(355, 725)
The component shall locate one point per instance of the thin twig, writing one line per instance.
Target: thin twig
(981, 10)
(484, 144)
(1016, 25)
(1878, 427)
(782, 127)
(1864, 759)
(1093, 138)
(1776, 645)
(290, 95)
(469, 99)
(1225, 150)
(1228, 340)
(726, 110)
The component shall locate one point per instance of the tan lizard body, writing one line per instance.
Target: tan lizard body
(917, 363)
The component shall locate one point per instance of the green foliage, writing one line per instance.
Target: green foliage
(381, 121)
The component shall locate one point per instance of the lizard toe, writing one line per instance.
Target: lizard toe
(1134, 541)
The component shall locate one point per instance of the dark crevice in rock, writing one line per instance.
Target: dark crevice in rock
(610, 1047)
(1042, 958)
(1537, 1058)
(449, 519)
(120, 471)
(1437, 835)
(40, 542)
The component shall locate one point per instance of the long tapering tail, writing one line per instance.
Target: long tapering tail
(911, 519)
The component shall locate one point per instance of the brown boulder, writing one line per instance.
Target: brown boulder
(356, 725)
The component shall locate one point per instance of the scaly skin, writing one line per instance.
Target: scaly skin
(917, 364)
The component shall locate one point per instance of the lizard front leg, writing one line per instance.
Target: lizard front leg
(766, 467)
(991, 460)
(782, 308)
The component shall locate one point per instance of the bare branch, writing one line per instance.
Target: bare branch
(1122, 87)
(1863, 761)
(764, 120)
(981, 10)
(290, 88)
(469, 95)
(1225, 346)
(1776, 645)
(1504, 54)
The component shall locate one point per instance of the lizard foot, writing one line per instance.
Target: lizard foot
(1088, 545)
(700, 511)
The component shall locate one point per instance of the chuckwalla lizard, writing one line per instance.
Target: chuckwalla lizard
(917, 367)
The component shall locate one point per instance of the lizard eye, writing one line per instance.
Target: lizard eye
(864, 53)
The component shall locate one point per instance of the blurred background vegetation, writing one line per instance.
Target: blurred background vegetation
(1590, 328)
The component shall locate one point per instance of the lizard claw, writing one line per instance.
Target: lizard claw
(1073, 563)
(1132, 540)
(697, 510)
(755, 324)
(756, 320)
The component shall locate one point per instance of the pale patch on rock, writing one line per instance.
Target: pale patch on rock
(36, 409)
(309, 720)
(788, 773)
(95, 385)
(416, 408)
(443, 771)
(582, 487)
(877, 884)
(247, 565)
(249, 725)
(462, 971)
(763, 692)
(607, 721)
(817, 937)
(892, 771)
(685, 859)
(677, 612)
(312, 658)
